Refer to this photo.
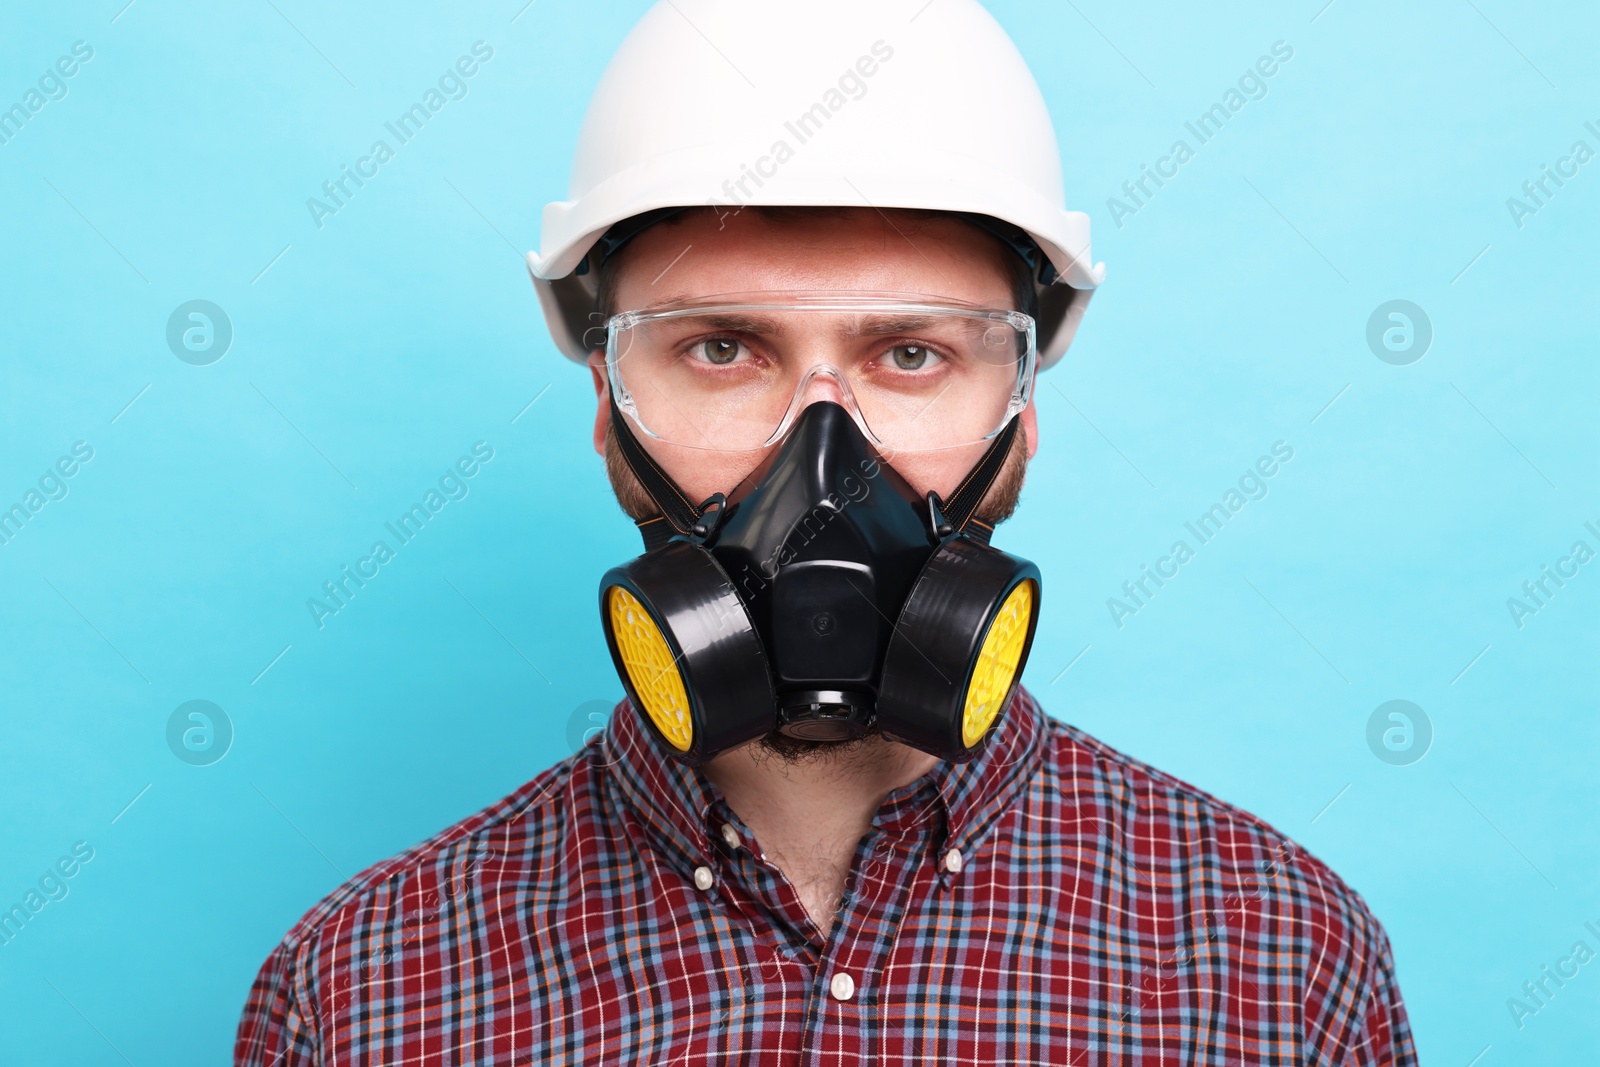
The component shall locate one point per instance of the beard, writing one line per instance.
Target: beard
(871, 749)
(998, 505)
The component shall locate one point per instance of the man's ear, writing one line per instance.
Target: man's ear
(602, 392)
(1030, 428)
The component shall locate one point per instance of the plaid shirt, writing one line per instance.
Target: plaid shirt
(1053, 901)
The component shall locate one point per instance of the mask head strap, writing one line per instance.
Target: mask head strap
(678, 514)
(963, 503)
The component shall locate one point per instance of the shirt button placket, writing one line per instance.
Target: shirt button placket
(949, 864)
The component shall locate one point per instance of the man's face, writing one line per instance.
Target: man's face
(860, 250)
(857, 250)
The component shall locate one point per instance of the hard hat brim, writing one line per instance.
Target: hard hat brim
(571, 227)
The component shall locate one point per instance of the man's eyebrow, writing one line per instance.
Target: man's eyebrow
(739, 323)
(880, 325)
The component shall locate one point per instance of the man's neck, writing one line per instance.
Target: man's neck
(809, 814)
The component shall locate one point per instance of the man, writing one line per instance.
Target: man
(826, 825)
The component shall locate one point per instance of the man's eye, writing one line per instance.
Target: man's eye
(719, 350)
(913, 357)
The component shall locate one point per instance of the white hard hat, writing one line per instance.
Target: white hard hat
(822, 103)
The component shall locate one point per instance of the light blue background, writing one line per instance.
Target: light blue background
(377, 350)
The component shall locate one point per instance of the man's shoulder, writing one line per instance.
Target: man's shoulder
(483, 844)
(1093, 774)
(1173, 831)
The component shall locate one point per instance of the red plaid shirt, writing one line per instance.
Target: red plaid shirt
(1053, 901)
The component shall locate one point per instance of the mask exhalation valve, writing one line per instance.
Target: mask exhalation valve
(825, 715)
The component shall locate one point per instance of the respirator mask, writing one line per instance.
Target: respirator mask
(823, 596)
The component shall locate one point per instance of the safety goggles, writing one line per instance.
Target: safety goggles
(732, 372)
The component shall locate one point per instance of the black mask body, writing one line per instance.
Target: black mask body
(826, 600)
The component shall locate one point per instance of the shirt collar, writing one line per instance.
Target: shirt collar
(680, 805)
(975, 793)
(674, 801)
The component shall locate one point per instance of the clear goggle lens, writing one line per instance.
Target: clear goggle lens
(731, 373)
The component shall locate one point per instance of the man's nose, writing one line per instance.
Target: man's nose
(823, 381)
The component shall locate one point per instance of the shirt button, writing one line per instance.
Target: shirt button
(703, 877)
(731, 836)
(952, 861)
(843, 987)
